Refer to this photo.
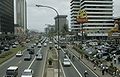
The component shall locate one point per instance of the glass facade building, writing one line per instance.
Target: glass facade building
(6, 16)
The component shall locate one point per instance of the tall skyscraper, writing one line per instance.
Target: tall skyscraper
(100, 17)
(6, 17)
(75, 6)
(21, 14)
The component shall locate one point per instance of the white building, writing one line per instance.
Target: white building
(100, 16)
(75, 6)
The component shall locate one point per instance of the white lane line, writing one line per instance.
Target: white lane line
(73, 65)
(85, 64)
(62, 69)
(32, 62)
(19, 62)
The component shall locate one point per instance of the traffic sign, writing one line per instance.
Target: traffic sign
(82, 16)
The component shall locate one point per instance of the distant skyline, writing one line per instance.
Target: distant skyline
(38, 17)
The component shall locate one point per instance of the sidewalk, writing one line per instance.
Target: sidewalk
(89, 64)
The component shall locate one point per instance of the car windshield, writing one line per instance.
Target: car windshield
(66, 60)
(10, 72)
(27, 73)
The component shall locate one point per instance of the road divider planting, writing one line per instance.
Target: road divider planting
(9, 54)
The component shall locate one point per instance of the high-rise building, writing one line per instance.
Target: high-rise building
(6, 17)
(62, 22)
(21, 14)
(75, 6)
(100, 17)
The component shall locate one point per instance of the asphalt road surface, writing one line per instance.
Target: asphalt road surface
(35, 65)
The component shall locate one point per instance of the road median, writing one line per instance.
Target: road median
(9, 54)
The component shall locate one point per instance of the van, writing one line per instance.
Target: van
(12, 71)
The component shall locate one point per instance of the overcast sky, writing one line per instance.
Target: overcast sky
(38, 17)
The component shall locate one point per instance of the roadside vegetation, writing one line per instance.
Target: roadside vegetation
(9, 54)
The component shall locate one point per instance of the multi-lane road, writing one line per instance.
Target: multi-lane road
(76, 69)
(36, 65)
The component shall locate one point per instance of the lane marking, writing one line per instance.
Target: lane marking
(60, 63)
(19, 62)
(62, 69)
(73, 65)
(32, 62)
(84, 64)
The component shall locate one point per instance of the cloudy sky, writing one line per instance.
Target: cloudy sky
(39, 17)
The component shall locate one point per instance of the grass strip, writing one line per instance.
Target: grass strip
(9, 54)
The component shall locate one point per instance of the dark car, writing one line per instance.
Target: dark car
(1, 48)
(31, 51)
(28, 57)
(28, 49)
(117, 52)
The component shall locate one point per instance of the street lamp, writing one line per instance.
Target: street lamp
(58, 33)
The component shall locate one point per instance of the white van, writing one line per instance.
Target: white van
(12, 71)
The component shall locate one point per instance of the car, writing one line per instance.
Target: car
(50, 42)
(19, 54)
(117, 52)
(27, 41)
(16, 43)
(28, 49)
(39, 57)
(66, 62)
(28, 57)
(27, 73)
(45, 44)
(14, 46)
(39, 45)
(34, 44)
(31, 51)
(6, 48)
(56, 46)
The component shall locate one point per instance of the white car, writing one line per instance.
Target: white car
(39, 45)
(34, 44)
(45, 44)
(16, 43)
(14, 46)
(19, 54)
(39, 57)
(50, 42)
(27, 73)
(66, 62)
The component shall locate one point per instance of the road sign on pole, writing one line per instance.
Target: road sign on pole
(82, 16)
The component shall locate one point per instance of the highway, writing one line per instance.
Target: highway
(79, 66)
(76, 69)
(69, 71)
(36, 66)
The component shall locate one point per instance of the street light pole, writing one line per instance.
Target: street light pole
(57, 32)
